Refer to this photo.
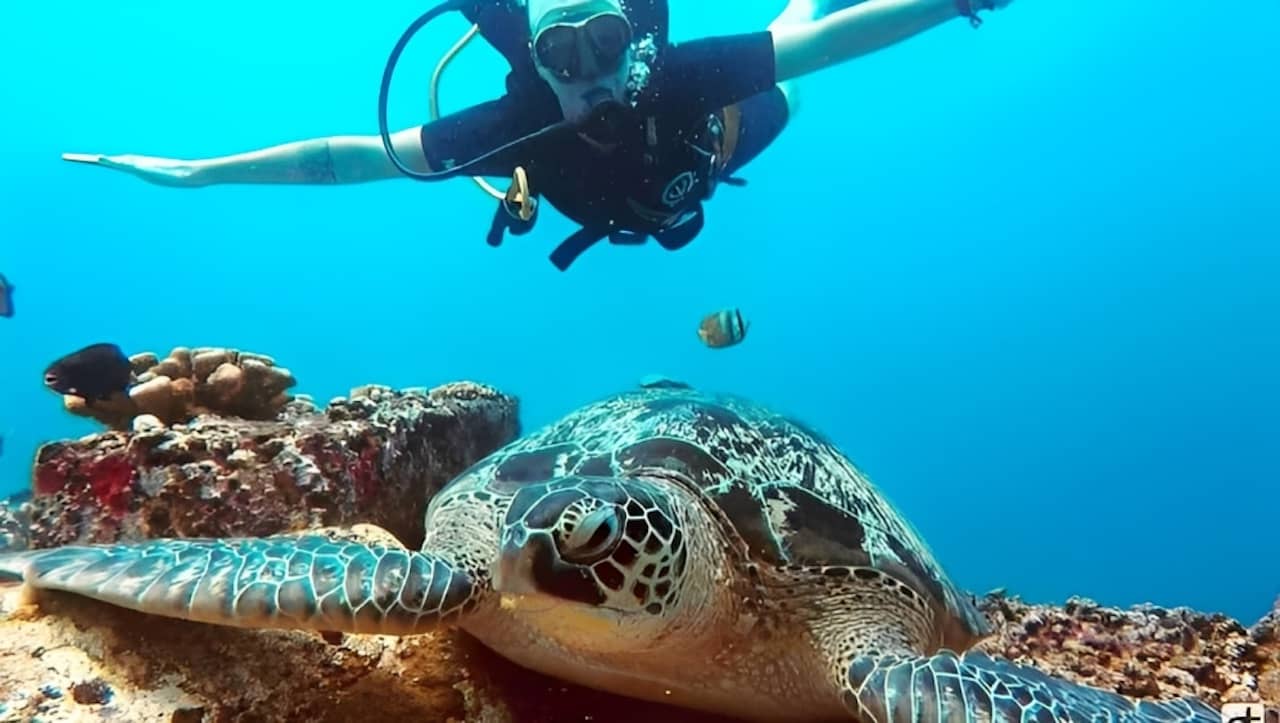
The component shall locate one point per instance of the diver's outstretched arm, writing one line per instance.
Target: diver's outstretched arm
(802, 48)
(331, 160)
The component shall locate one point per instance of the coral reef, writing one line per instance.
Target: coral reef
(1145, 651)
(374, 457)
(191, 382)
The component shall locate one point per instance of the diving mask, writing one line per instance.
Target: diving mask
(582, 49)
(576, 47)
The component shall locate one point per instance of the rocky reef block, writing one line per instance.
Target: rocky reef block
(1145, 651)
(67, 658)
(376, 456)
(191, 382)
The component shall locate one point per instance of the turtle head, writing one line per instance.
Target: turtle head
(590, 554)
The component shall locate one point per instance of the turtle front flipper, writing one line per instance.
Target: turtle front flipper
(303, 582)
(975, 687)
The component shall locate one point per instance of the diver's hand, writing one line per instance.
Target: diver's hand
(160, 171)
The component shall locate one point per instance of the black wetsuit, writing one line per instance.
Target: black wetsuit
(710, 106)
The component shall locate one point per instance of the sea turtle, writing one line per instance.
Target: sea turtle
(663, 543)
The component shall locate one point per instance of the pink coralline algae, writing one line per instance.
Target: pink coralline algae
(111, 480)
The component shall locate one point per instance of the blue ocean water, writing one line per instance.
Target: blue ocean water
(1025, 275)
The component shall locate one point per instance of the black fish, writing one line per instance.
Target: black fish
(6, 298)
(95, 372)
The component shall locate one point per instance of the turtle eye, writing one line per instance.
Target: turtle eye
(593, 538)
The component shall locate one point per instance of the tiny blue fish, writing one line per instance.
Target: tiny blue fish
(6, 298)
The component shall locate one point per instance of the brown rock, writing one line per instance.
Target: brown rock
(142, 362)
(169, 368)
(184, 398)
(182, 357)
(204, 362)
(226, 382)
(154, 397)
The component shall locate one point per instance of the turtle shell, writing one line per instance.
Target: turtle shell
(792, 495)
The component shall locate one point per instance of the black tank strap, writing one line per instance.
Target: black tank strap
(571, 248)
(504, 222)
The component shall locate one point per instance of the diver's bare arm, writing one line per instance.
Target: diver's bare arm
(803, 48)
(336, 159)
(332, 160)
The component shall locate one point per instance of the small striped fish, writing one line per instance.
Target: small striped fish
(722, 328)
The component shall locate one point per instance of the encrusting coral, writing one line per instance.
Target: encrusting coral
(191, 382)
(376, 456)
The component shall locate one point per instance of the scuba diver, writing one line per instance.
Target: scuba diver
(621, 131)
